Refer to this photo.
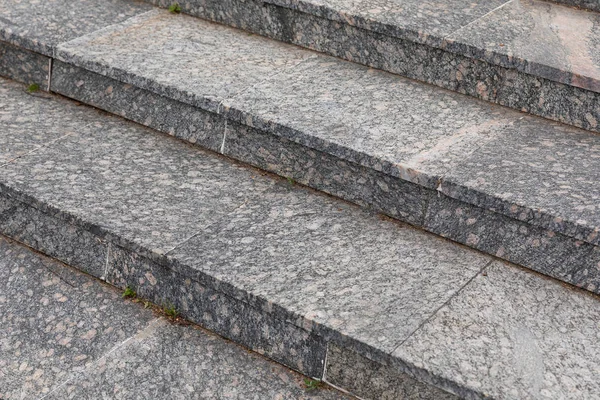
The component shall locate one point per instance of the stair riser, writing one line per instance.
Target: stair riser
(550, 253)
(23, 65)
(483, 80)
(260, 326)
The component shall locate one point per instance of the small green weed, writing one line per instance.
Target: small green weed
(171, 312)
(129, 293)
(175, 8)
(291, 181)
(312, 384)
(34, 87)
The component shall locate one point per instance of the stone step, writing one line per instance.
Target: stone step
(477, 173)
(66, 335)
(515, 186)
(368, 304)
(531, 55)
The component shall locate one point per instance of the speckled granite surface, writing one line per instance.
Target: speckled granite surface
(353, 132)
(39, 25)
(323, 261)
(539, 38)
(204, 59)
(24, 65)
(420, 40)
(278, 267)
(593, 5)
(183, 362)
(52, 327)
(65, 335)
(528, 332)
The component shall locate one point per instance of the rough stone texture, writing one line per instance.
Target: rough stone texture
(371, 380)
(52, 235)
(23, 65)
(540, 38)
(50, 327)
(593, 5)
(369, 117)
(415, 20)
(176, 362)
(511, 334)
(22, 112)
(149, 189)
(161, 113)
(40, 25)
(229, 317)
(207, 57)
(349, 275)
(321, 170)
(542, 173)
(322, 28)
(542, 250)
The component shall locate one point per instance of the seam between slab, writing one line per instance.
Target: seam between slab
(456, 294)
(270, 77)
(478, 19)
(151, 326)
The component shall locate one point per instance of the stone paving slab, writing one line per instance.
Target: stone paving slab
(530, 333)
(152, 189)
(539, 38)
(327, 262)
(168, 361)
(208, 63)
(420, 40)
(41, 25)
(66, 335)
(52, 327)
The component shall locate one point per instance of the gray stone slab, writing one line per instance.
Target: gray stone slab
(23, 65)
(50, 327)
(142, 106)
(37, 114)
(593, 5)
(183, 362)
(512, 334)
(41, 25)
(310, 24)
(230, 317)
(425, 21)
(133, 183)
(542, 173)
(371, 380)
(335, 269)
(551, 253)
(321, 170)
(53, 235)
(369, 117)
(181, 57)
(539, 38)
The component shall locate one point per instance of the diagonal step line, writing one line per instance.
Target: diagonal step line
(151, 326)
(458, 292)
(478, 19)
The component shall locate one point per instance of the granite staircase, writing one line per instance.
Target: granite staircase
(329, 286)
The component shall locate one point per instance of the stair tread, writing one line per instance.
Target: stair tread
(540, 38)
(533, 36)
(159, 194)
(83, 340)
(373, 279)
(41, 25)
(415, 131)
(513, 335)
